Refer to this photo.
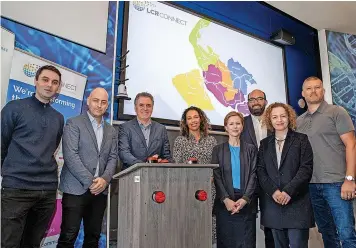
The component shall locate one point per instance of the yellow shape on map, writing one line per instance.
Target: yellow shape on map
(226, 81)
(225, 74)
(230, 93)
(191, 87)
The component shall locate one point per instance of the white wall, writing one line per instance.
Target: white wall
(84, 22)
(324, 59)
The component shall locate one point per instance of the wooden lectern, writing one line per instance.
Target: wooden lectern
(165, 206)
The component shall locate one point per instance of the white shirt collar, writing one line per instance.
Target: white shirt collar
(92, 119)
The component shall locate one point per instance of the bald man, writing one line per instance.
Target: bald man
(90, 159)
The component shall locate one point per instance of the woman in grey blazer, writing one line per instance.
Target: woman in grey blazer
(235, 204)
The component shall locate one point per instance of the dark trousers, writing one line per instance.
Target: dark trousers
(235, 231)
(25, 216)
(88, 207)
(269, 242)
(293, 238)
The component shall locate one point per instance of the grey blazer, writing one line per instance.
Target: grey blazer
(132, 144)
(81, 155)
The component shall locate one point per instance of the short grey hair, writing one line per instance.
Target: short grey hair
(144, 94)
(310, 79)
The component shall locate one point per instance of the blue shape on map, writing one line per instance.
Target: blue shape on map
(239, 75)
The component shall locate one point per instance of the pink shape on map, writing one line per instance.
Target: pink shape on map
(213, 74)
(218, 91)
(212, 80)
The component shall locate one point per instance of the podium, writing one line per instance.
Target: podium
(165, 206)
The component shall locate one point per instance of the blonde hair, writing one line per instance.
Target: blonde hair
(234, 113)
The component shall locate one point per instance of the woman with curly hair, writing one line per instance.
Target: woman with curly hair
(195, 142)
(284, 169)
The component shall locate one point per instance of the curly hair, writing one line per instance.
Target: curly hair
(292, 116)
(204, 122)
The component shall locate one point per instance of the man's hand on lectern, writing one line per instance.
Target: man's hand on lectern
(157, 157)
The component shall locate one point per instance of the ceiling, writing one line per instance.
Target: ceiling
(335, 16)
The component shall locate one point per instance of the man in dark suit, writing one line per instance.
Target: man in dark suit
(142, 137)
(90, 160)
(254, 132)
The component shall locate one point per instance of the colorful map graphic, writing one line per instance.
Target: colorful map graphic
(226, 81)
(342, 64)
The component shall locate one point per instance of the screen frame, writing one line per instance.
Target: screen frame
(168, 122)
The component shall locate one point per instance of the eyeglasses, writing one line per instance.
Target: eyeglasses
(258, 99)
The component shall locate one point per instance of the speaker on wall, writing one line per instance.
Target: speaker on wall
(283, 37)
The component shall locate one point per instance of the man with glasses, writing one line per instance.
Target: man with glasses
(254, 131)
(142, 137)
(332, 187)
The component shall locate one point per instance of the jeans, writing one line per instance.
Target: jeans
(334, 216)
(293, 238)
(88, 207)
(25, 216)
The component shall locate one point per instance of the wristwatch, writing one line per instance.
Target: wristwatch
(349, 178)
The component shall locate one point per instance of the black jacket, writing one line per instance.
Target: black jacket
(223, 177)
(293, 176)
(248, 133)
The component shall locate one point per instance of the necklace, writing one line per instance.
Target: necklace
(279, 143)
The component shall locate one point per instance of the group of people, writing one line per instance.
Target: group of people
(300, 170)
(31, 131)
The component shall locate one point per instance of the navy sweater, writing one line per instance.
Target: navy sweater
(30, 134)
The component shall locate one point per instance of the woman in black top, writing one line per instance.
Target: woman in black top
(284, 168)
(235, 180)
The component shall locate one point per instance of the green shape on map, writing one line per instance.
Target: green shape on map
(204, 57)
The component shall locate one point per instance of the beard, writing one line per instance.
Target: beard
(315, 100)
(257, 111)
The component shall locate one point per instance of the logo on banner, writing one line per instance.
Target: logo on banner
(150, 9)
(30, 69)
(140, 5)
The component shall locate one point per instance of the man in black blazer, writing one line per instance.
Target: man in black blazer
(254, 132)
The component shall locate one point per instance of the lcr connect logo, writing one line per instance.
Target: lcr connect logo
(141, 5)
(30, 69)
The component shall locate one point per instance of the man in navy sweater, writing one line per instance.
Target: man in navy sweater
(31, 131)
